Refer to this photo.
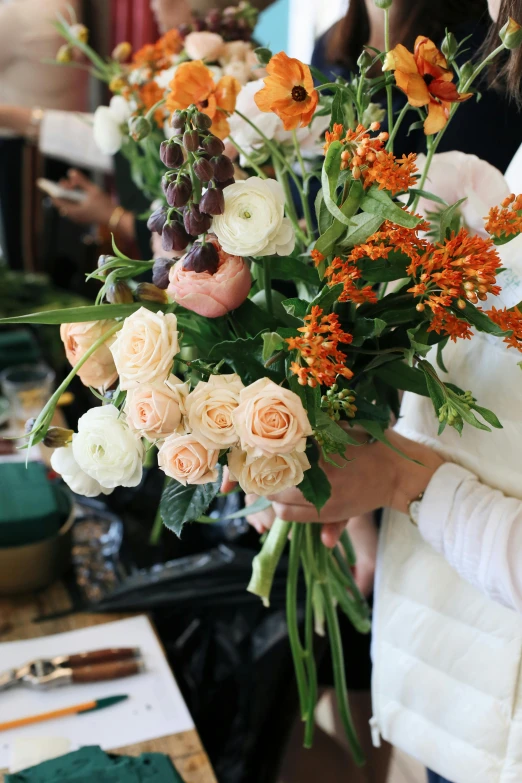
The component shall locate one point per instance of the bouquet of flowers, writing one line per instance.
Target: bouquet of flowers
(212, 364)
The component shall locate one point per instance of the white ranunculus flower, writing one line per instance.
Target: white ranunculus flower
(110, 124)
(253, 222)
(107, 450)
(63, 462)
(239, 70)
(455, 175)
(164, 78)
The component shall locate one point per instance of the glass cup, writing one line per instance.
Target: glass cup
(27, 388)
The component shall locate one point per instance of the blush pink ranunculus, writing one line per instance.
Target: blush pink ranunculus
(211, 295)
(204, 46)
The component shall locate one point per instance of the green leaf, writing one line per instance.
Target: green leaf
(383, 270)
(428, 195)
(479, 320)
(338, 109)
(253, 318)
(310, 397)
(415, 126)
(293, 269)
(318, 75)
(245, 356)
(376, 430)
(272, 342)
(434, 385)
(261, 504)
(315, 486)
(264, 55)
(326, 242)
(181, 504)
(323, 217)
(450, 219)
(488, 416)
(329, 180)
(74, 315)
(378, 202)
(296, 307)
(399, 375)
(363, 226)
(440, 359)
(366, 328)
(327, 297)
(334, 432)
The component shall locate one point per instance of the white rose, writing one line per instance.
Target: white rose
(106, 449)
(267, 475)
(63, 462)
(164, 78)
(253, 222)
(239, 70)
(455, 175)
(110, 125)
(145, 347)
(185, 459)
(204, 46)
(270, 419)
(209, 410)
(156, 410)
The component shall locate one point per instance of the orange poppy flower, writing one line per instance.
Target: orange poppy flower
(425, 78)
(288, 92)
(193, 84)
(150, 93)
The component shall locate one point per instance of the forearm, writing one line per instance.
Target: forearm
(15, 118)
(478, 530)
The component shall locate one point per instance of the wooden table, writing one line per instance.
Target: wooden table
(17, 617)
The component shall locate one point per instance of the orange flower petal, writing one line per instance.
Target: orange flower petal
(426, 50)
(399, 59)
(436, 119)
(227, 90)
(447, 91)
(414, 86)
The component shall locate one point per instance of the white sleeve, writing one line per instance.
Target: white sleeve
(68, 136)
(478, 530)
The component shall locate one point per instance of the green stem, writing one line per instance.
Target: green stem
(396, 126)
(304, 193)
(196, 183)
(298, 653)
(348, 549)
(265, 563)
(157, 527)
(248, 158)
(282, 178)
(389, 88)
(309, 654)
(267, 283)
(339, 674)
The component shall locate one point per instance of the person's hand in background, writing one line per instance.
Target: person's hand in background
(97, 207)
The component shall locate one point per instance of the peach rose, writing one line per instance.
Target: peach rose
(211, 295)
(204, 46)
(267, 475)
(270, 419)
(99, 370)
(209, 410)
(184, 458)
(145, 347)
(155, 411)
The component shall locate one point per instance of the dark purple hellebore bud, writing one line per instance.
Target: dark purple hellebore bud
(196, 222)
(213, 145)
(178, 193)
(225, 184)
(178, 119)
(223, 168)
(212, 202)
(157, 220)
(203, 170)
(202, 121)
(191, 140)
(160, 272)
(171, 154)
(174, 237)
(202, 258)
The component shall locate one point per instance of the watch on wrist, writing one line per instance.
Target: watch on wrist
(414, 509)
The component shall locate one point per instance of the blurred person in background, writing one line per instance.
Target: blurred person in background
(172, 13)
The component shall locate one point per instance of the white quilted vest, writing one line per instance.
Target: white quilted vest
(447, 683)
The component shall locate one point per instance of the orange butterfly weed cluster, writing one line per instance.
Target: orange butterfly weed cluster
(505, 220)
(451, 272)
(157, 56)
(346, 273)
(369, 161)
(444, 322)
(509, 320)
(193, 84)
(289, 91)
(319, 360)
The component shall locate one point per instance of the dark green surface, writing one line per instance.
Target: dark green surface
(31, 507)
(107, 702)
(17, 347)
(93, 764)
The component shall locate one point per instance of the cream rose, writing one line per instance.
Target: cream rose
(145, 347)
(106, 449)
(156, 410)
(186, 459)
(204, 45)
(63, 462)
(209, 410)
(99, 370)
(270, 419)
(267, 475)
(253, 222)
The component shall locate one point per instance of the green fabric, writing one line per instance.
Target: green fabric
(17, 347)
(30, 507)
(93, 764)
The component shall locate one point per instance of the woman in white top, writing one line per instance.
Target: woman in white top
(447, 636)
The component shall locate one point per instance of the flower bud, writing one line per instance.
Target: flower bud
(212, 202)
(203, 170)
(122, 51)
(213, 145)
(202, 121)
(157, 220)
(178, 119)
(365, 60)
(147, 292)
(29, 424)
(196, 222)
(119, 293)
(178, 193)
(191, 140)
(160, 272)
(171, 154)
(102, 260)
(449, 46)
(202, 258)
(56, 437)
(383, 4)
(139, 128)
(64, 54)
(223, 168)
(174, 237)
(80, 32)
(117, 84)
(225, 184)
(511, 34)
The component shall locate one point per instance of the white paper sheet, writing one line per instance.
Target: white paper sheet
(155, 707)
